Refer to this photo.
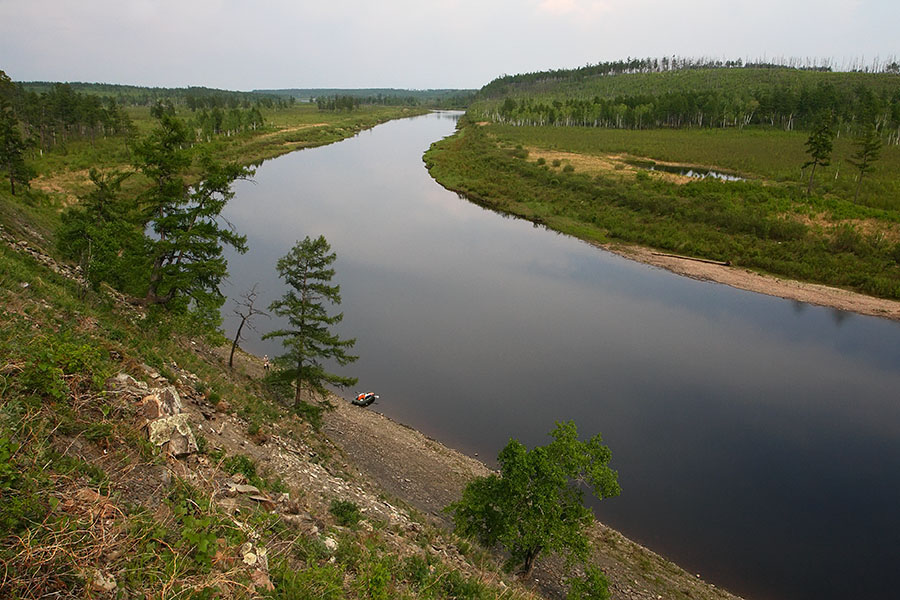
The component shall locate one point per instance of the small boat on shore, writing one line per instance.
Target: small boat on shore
(364, 399)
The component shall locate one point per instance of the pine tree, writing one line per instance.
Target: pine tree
(186, 255)
(308, 340)
(104, 233)
(819, 145)
(12, 148)
(868, 148)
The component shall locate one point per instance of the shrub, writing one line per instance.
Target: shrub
(592, 586)
(346, 513)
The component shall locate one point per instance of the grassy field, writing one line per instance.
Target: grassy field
(63, 173)
(763, 154)
(766, 222)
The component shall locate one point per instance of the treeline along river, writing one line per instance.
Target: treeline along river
(757, 440)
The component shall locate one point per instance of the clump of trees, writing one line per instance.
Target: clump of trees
(59, 115)
(207, 124)
(166, 245)
(535, 504)
(338, 102)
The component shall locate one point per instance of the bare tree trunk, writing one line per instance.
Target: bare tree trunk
(234, 344)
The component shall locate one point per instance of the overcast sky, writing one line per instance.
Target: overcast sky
(250, 44)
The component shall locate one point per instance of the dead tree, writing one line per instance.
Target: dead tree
(246, 312)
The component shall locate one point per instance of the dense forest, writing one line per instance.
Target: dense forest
(193, 97)
(50, 115)
(659, 93)
(443, 98)
(51, 118)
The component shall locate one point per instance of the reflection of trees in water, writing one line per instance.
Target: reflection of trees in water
(839, 316)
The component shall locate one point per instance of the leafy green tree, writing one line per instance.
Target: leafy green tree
(104, 234)
(535, 504)
(12, 147)
(186, 258)
(819, 145)
(868, 149)
(308, 340)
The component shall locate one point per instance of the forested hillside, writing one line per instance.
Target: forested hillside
(645, 94)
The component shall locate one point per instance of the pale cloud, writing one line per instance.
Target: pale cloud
(578, 9)
(409, 43)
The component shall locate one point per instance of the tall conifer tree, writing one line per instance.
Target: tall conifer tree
(309, 340)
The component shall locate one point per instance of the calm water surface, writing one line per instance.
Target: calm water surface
(757, 440)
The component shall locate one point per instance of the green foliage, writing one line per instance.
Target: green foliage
(314, 582)
(199, 523)
(243, 464)
(59, 363)
(373, 578)
(429, 580)
(868, 149)
(819, 144)
(12, 146)
(104, 235)
(649, 93)
(186, 258)
(309, 341)
(592, 586)
(345, 512)
(535, 505)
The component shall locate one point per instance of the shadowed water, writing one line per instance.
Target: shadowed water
(757, 440)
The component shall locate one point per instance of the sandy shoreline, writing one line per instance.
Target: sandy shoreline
(744, 279)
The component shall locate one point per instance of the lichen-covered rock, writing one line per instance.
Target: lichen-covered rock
(173, 434)
(162, 402)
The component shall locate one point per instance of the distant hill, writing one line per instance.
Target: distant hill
(137, 95)
(649, 93)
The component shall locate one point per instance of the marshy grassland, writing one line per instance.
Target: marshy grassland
(589, 182)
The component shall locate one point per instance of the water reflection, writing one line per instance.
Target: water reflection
(752, 435)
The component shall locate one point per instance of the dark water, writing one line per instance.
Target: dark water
(757, 440)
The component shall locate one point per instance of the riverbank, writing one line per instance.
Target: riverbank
(428, 476)
(752, 281)
(766, 235)
(421, 473)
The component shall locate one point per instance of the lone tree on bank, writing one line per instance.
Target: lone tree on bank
(536, 504)
(819, 145)
(307, 270)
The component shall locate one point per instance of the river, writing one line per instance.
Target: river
(757, 440)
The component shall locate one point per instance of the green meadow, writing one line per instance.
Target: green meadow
(766, 222)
